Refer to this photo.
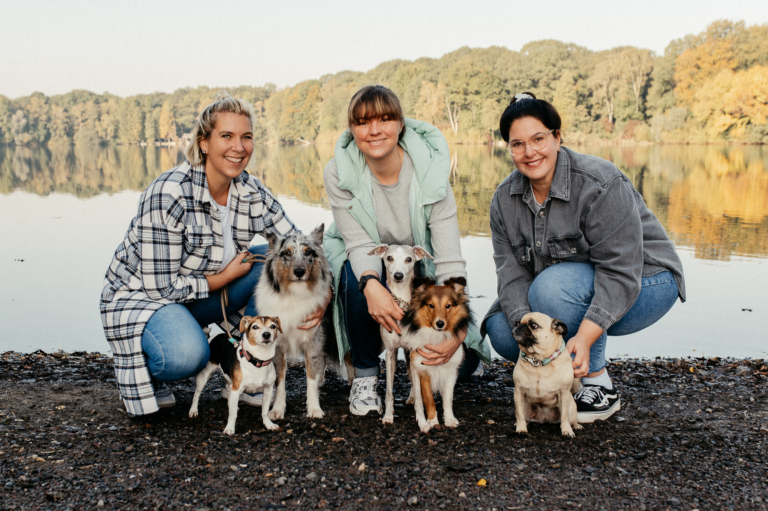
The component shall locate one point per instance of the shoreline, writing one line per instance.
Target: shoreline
(692, 434)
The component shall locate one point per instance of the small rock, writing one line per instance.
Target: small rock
(413, 501)
(640, 456)
(280, 481)
(311, 476)
(589, 470)
(362, 467)
(234, 468)
(100, 503)
(463, 495)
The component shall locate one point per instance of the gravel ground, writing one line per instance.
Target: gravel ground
(692, 434)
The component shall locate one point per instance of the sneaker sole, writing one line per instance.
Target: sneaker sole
(588, 417)
(369, 413)
(166, 404)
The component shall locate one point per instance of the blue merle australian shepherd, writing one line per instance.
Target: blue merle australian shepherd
(296, 281)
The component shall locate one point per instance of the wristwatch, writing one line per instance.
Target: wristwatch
(364, 280)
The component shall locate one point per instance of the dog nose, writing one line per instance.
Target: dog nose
(398, 276)
(440, 323)
(299, 272)
(266, 335)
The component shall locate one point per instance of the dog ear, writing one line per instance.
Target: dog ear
(559, 327)
(244, 323)
(277, 322)
(457, 283)
(420, 253)
(271, 238)
(380, 250)
(420, 284)
(317, 234)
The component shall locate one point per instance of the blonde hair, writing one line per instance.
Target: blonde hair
(374, 101)
(206, 122)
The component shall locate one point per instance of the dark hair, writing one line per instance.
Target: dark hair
(529, 107)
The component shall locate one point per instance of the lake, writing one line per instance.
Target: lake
(63, 211)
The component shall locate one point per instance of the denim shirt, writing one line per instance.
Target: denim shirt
(593, 215)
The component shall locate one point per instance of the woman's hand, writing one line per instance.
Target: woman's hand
(234, 270)
(580, 344)
(444, 351)
(314, 319)
(580, 348)
(382, 307)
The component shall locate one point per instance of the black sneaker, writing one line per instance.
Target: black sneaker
(596, 403)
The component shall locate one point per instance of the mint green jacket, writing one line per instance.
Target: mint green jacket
(428, 150)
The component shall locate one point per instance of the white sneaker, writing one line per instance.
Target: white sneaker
(249, 398)
(363, 398)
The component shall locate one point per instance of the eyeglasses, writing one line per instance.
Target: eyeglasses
(537, 143)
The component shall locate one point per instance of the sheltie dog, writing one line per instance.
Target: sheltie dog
(437, 314)
(295, 282)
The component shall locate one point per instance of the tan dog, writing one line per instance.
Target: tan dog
(544, 382)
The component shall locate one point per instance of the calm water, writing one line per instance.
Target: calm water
(63, 212)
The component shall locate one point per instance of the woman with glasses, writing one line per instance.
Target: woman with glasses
(573, 239)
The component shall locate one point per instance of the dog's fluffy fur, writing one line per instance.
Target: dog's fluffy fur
(399, 263)
(437, 315)
(544, 393)
(295, 282)
(259, 341)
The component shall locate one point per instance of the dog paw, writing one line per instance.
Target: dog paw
(577, 426)
(271, 425)
(521, 429)
(568, 432)
(229, 430)
(451, 422)
(387, 420)
(315, 413)
(424, 427)
(276, 415)
(192, 414)
(410, 400)
(433, 422)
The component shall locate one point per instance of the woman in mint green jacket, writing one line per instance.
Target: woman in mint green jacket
(388, 183)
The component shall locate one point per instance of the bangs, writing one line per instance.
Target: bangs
(373, 102)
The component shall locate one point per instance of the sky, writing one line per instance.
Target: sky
(134, 47)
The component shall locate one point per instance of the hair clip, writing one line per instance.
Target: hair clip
(521, 96)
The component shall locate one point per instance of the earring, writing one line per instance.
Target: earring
(204, 152)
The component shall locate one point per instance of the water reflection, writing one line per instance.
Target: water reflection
(711, 198)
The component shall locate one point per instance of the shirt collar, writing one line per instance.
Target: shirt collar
(200, 185)
(560, 188)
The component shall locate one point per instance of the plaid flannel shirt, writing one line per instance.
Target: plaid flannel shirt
(174, 241)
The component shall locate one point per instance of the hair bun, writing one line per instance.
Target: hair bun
(521, 96)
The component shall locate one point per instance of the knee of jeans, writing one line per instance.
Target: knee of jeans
(183, 365)
(500, 335)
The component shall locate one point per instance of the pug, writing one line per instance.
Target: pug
(543, 376)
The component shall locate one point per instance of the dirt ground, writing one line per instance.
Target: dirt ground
(692, 434)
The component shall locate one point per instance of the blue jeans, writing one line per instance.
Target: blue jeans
(364, 333)
(564, 291)
(173, 340)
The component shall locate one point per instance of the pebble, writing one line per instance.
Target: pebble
(280, 481)
(311, 476)
(413, 501)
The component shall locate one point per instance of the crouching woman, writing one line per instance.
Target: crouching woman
(572, 238)
(388, 183)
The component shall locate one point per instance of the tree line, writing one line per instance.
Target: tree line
(710, 87)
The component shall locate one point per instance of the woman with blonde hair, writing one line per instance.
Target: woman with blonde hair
(189, 239)
(388, 183)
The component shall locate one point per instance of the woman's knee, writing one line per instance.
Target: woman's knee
(500, 335)
(562, 285)
(175, 345)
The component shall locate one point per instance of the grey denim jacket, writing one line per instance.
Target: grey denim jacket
(593, 215)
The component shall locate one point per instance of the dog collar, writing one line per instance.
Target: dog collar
(255, 361)
(399, 301)
(536, 362)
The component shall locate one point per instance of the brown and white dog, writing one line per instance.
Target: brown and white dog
(543, 376)
(399, 262)
(248, 365)
(295, 282)
(437, 315)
